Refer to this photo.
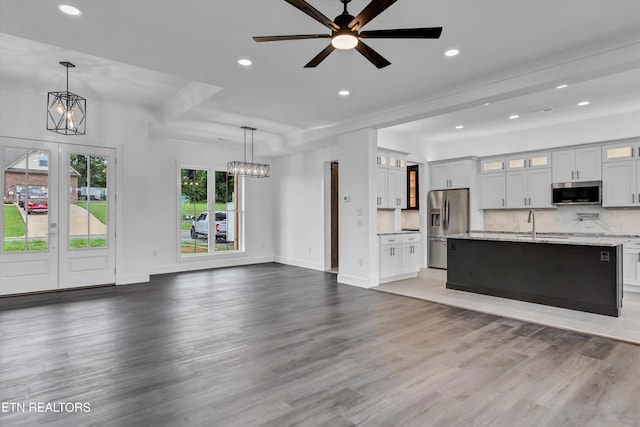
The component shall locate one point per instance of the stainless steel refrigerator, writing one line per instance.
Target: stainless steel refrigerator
(448, 212)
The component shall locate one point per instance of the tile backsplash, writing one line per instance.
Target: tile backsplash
(566, 219)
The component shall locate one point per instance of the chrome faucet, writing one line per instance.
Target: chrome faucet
(532, 218)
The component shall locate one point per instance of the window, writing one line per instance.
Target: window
(200, 231)
(194, 206)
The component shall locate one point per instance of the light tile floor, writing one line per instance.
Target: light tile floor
(430, 286)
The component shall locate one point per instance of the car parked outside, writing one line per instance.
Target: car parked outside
(37, 205)
(200, 226)
(32, 193)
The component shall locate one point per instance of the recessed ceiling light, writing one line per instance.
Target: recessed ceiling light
(460, 127)
(514, 116)
(562, 86)
(487, 103)
(244, 62)
(452, 52)
(583, 103)
(343, 93)
(69, 10)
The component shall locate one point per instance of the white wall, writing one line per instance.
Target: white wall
(299, 200)
(165, 158)
(358, 214)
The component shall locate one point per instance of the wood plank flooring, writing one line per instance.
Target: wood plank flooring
(275, 345)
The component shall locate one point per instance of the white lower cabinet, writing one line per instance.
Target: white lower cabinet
(631, 267)
(399, 256)
(410, 253)
(390, 257)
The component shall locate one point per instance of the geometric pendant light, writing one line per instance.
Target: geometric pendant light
(248, 169)
(66, 111)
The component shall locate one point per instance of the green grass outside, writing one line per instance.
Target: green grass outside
(13, 223)
(96, 242)
(98, 209)
(18, 245)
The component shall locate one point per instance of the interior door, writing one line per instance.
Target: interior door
(29, 220)
(87, 216)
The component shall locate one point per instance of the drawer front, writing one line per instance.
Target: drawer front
(410, 238)
(391, 239)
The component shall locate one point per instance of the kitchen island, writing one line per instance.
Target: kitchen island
(569, 272)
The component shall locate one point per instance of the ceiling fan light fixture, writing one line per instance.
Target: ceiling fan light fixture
(344, 40)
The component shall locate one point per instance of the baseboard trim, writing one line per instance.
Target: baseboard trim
(205, 265)
(299, 263)
(360, 282)
(130, 279)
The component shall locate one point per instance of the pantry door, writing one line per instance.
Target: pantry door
(29, 219)
(87, 216)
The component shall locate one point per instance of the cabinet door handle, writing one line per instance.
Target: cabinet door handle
(525, 201)
(502, 165)
(502, 202)
(529, 162)
(578, 175)
(572, 175)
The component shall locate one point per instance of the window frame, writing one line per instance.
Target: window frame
(211, 197)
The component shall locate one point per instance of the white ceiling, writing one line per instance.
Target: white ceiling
(178, 59)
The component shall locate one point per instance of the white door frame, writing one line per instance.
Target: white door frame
(60, 267)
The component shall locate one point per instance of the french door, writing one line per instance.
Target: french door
(58, 217)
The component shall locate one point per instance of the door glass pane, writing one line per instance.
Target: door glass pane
(194, 212)
(26, 207)
(88, 204)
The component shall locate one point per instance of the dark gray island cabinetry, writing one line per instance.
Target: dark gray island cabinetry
(576, 275)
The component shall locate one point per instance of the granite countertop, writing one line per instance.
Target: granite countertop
(399, 232)
(554, 238)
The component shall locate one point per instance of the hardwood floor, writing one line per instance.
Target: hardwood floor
(278, 345)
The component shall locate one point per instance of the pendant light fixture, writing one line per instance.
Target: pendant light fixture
(66, 111)
(251, 170)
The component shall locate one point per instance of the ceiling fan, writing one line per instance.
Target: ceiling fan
(346, 31)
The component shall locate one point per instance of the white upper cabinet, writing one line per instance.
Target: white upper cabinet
(382, 197)
(526, 182)
(582, 164)
(492, 190)
(621, 183)
(621, 174)
(454, 174)
(391, 180)
(529, 188)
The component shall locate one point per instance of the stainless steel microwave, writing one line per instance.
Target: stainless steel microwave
(577, 193)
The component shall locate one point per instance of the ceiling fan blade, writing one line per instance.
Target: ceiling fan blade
(373, 56)
(373, 9)
(314, 13)
(404, 33)
(320, 57)
(291, 37)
